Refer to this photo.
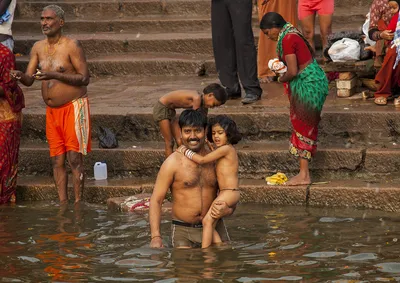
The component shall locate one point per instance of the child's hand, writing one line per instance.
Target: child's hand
(181, 149)
(210, 146)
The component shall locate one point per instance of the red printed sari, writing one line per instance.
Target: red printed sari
(11, 104)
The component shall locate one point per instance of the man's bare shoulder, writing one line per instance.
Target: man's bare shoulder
(72, 43)
(173, 161)
(39, 45)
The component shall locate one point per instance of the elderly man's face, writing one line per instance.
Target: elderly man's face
(50, 23)
(193, 137)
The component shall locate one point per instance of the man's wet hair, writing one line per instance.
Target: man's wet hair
(229, 127)
(192, 118)
(219, 92)
(57, 10)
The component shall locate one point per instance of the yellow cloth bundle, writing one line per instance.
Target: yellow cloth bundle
(277, 179)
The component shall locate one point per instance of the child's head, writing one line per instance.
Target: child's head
(394, 6)
(214, 95)
(222, 130)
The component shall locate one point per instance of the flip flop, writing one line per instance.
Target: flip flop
(381, 101)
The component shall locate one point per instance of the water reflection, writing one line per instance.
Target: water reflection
(43, 242)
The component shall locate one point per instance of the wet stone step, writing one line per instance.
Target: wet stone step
(355, 194)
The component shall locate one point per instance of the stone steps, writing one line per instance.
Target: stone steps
(104, 9)
(142, 64)
(256, 160)
(356, 194)
(167, 23)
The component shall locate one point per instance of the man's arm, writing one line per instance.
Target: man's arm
(78, 60)
(211, 157)
(4, 6)
(163, 183)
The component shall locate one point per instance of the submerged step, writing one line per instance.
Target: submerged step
(355, 194)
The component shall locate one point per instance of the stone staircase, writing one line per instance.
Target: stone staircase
(139, 50)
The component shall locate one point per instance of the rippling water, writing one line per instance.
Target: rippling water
(43, 242)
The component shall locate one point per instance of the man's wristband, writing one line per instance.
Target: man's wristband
(155, 237)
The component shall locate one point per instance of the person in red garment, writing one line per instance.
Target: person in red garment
(388, 76)
(11, 104)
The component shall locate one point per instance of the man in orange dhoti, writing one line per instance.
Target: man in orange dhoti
(266, 47)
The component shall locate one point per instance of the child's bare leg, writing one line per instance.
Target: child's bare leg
(176, 131)
(209, 232)
(166, 132)
(210, 235)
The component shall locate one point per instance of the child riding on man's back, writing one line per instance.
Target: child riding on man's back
(164, 113)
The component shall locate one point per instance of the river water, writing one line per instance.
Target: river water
(43, 242)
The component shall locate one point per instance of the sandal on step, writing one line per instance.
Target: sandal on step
(380, 100)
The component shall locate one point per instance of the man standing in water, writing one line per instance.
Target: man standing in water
(193, 189)
(64, 74)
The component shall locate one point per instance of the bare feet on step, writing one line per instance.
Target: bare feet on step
(299, 180)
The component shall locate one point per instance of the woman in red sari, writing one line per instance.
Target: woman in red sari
(11, 104)
(306, 85)
(388, 76)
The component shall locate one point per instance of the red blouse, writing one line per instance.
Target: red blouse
(293, 44)
(393, 23)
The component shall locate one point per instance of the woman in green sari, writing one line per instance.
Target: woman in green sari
(306, 86)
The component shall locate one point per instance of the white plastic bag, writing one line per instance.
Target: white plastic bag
(345, 49)
(365, 29)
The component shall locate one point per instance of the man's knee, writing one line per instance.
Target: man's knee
(75, 160)
(58, 161)
(308, 33)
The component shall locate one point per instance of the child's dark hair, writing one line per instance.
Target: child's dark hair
(192, 118)
(219, 92)
(229, 127)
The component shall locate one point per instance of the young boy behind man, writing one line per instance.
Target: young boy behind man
(164, 112)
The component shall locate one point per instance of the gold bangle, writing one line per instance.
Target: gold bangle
(155, 237)
(279, 79)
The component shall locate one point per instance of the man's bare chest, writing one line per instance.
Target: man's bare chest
(55, 63)
(196, 176)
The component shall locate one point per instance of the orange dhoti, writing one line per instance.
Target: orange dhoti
(68, 127)
(267, 47)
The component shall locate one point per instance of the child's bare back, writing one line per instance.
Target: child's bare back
(182, 99)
